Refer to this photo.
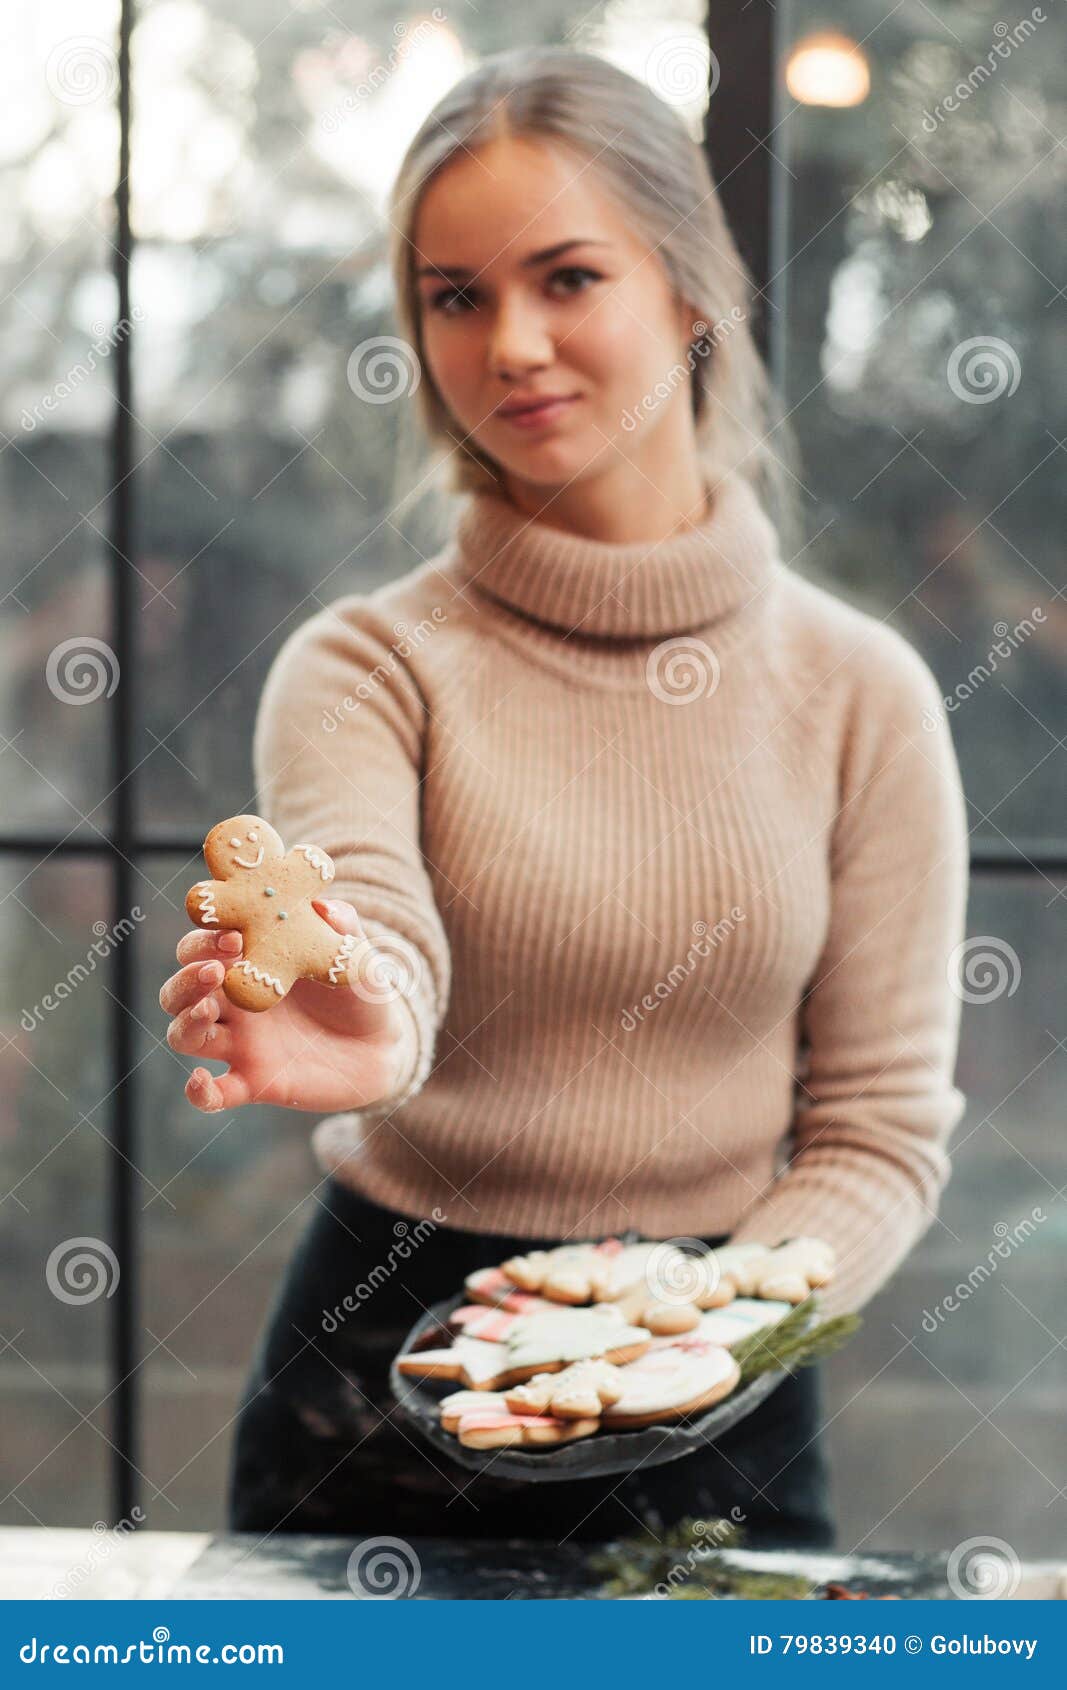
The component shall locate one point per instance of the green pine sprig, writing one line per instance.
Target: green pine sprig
(794, 1342)
(687, 1564)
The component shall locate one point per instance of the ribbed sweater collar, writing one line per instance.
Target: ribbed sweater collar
(632, 590)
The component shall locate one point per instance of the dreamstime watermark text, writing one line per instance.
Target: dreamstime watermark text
(1009, 1239)
(159, 1651)
(1008, 37)
(99, 349)
(704, 943)
(107, 939)
(408, 1240)
(406, 39)
(709, 1538)
(1007, 641)
(706, 339)
(407, 641)
(105, 1541)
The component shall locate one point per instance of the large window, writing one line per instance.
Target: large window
(193, 253)
(917, 274)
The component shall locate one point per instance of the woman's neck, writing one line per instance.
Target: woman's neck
(621, 505)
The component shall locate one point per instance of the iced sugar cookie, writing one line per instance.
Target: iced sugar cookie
(740, 1319)
(671, 1383)
(535, 1343)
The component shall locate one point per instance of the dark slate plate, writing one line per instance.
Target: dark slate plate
(587, 1458)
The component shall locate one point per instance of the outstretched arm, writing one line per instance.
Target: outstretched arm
(338, 754)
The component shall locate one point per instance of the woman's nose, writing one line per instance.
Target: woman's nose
(519, 341)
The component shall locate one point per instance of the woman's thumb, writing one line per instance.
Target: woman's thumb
(342, 916)
(375, 974)
(369, 973)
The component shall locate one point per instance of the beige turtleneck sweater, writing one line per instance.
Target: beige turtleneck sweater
(672, 868)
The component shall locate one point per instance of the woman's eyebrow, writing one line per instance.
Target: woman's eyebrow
(528, 263)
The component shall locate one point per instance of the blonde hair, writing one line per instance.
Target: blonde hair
(660, 179)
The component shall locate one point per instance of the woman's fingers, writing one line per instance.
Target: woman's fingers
(196, 1028)
(201, 946)
(211, 1092)
(190, 984)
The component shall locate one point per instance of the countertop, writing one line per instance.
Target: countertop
(56, 1563)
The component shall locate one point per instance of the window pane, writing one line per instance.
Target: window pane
(222, 1203)
(972, 1323)
(922, 274)
(58, 932)
(58, 151)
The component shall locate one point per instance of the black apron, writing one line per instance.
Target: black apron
(321, 1447)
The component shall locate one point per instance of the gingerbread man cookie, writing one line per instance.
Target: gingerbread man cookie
(788, 1271)
(581, 1273)
(793, 1270)
(265, 892)
(571, 1273)
(580, 1392)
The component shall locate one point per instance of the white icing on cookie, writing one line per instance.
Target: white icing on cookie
(466, 1402)
(261, 975)
(534, 1340)
(339, 965)
(318, 859)
(668, 1378)
(737, 1320)
(255, 862)
(205, 897)
(570, 1335)
(628, 1266)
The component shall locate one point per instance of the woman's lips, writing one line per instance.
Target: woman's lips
(539, 416)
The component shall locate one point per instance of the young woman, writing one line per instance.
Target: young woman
(656, 868)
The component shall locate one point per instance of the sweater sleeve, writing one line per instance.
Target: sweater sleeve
(880, 1019)
(338, 753)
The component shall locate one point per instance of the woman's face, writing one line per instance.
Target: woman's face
(532, 285)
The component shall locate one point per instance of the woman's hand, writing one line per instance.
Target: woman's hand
(320, 1048)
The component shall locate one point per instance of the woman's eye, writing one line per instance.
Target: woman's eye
(443, 301)
(573, 270)
(453, 302)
